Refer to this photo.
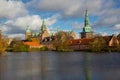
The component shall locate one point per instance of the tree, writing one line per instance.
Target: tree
(97, 45)
(3, 43)
(61, 41)
(118, 36)
(18, 46)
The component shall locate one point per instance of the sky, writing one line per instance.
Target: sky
(67, 15)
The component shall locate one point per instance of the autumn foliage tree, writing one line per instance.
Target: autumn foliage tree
(61, 41)
(97, 45)
(18, 46)
(3, 43)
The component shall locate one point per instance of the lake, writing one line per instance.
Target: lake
(50, 65)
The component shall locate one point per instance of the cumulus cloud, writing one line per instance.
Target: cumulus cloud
(117, 27)
(52, 20)
(20, 35)
(18, 13)
(77, 26)
(111, 17)
(72, 8)
(12, 9)
(104, 10)
(18, 25)
(103, 33)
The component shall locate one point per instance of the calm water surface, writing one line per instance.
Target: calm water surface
(60, 66)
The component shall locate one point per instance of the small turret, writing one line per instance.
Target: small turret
(27, 33)
(28, 29)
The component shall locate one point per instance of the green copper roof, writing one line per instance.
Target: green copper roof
(33, 34)
(43, 27)
(58, 29)
(87, 27)
(86, 19)
(51, 34)
(28, 29)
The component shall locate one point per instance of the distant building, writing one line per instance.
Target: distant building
(33, 39)
(80, 44)
(87, 32)
(111, 41)
(48, 41)
(83, 43)
(40, 35)
(72, 35)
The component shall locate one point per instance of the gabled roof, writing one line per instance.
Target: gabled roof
(107, 38)
(118, 39)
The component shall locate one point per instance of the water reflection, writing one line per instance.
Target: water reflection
(87, 66)
(0, 67)
(60, 66)
(43, 66)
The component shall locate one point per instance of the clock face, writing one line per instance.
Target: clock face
(87, 29)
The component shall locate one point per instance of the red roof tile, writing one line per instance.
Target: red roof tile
(83, 41)
(31, 43)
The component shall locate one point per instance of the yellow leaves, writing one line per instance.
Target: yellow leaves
(3, 44)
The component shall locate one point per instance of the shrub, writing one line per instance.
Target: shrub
(44, 48)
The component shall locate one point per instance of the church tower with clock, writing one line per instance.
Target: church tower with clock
(86, 33)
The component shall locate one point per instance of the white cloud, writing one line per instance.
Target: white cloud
(12, 9)
(20, 35)
(117, 27)
(105, 10)
(77, 26)
(103, 33)
(18, 25)
(72, 8)
(111, 17)
(52, 20)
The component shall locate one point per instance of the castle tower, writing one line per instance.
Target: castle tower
(44, 31)
(86, 33)
(27, 33)
(43, 27)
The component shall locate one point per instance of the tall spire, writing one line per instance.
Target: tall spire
(87, 27)
(43, 27)
(86, 19)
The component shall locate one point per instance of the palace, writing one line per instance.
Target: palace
(40, 35)
(43, 37)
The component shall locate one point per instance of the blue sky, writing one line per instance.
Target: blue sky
(15, 15)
